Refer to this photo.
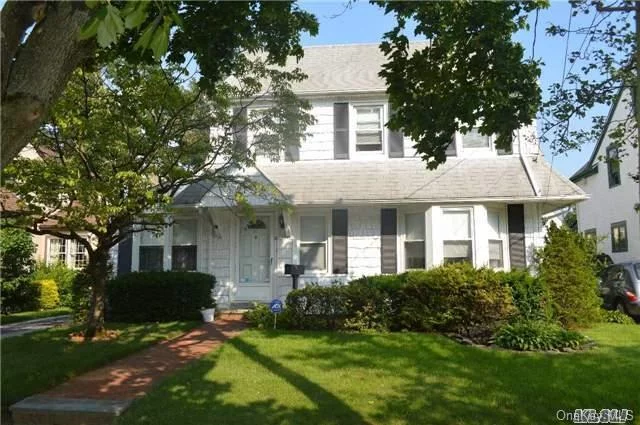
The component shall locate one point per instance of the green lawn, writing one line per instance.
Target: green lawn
(38, 361)
(5, 319)
(403, 378)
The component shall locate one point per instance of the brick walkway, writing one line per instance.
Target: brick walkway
(132, 377)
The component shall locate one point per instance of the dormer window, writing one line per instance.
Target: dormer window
(369, 126)
(473, 139)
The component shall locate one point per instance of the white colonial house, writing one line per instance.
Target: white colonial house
(610, 212)
(363, 202)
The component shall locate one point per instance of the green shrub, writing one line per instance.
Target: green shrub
(455, 298)
(62, 275)
(533, 335)
(317, 307)
(529, 293)
(48, 297)
(615, 316)
(261, 317)
(567, 269)
(16, 253)
(19, 294)
(159, 296)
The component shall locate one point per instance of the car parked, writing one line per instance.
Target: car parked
(620, 288)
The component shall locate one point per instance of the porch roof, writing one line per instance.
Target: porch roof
(501, 179)
(408, 180)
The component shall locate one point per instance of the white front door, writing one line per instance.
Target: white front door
(254, 260)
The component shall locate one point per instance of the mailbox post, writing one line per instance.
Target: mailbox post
(295, 270)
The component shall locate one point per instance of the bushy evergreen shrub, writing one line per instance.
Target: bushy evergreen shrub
(530, 296)
(62, 275)
(566, 267)
(159, 296)
(16, 253)
(19, 294)
(48, 297)
(455, 298)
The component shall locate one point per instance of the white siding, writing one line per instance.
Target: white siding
(534, 231)
(364, 241)
(611, 205)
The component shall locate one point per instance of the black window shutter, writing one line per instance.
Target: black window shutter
(517, 248)
(341, 131)
(396, 141)
(240, 127)
(292, 153)
(340, 232)
(388, 234)
(124, 256)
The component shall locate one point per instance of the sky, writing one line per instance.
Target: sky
(365, 23)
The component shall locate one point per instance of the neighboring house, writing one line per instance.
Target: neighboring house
(610, 213)
(363, 202)
(49, 249)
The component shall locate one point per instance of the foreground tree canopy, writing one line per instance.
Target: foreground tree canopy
(43, 42)
(121, 141)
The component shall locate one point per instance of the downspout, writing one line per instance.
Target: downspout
(527, 168)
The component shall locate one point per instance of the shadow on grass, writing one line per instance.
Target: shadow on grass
(39, 361)
(261, 377)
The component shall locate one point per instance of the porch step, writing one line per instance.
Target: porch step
(42, 410)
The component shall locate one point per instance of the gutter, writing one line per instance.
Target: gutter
(527, 168)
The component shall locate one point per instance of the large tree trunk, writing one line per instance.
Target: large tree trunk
(35, 72)
(98, 270)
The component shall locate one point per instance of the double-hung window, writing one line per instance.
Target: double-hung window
(458, 240)
(80, 255)
(313, 243)
(369, 128)
(473, 139)
(414, 247)
(184, 250)
(151, 252)
(619, 242)
(57, 251)
(496, 245)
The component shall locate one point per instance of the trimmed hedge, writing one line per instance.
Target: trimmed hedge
(159, 296)
(48, 297)
(455, 298)
(450, 298)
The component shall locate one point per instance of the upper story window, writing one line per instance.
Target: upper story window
(613, 166)
(369, 128)
(473, 139)
(313, 243)
(458, 239)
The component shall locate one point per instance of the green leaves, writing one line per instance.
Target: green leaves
(109, 23)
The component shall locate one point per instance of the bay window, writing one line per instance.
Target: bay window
(458, 241)
(414, 246)
(80, 255)
(313, 242)
(57, 251)
(184, 250)
(69, 252)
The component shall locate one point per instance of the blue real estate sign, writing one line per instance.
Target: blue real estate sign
(276, 306)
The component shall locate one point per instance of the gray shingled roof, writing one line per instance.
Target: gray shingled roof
(342, 68)
(407, 180)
